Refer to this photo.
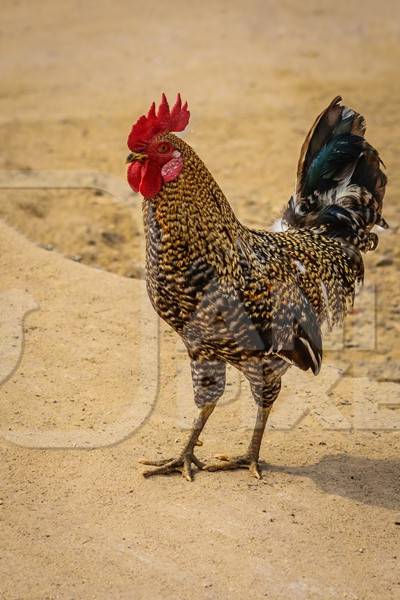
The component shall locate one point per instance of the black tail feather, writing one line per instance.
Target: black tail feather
(340, 185)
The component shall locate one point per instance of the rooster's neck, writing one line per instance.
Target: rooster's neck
(191, 214)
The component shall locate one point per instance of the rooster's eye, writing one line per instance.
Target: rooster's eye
(163, 147)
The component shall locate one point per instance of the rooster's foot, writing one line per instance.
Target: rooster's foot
(245, 461)
(182, 464)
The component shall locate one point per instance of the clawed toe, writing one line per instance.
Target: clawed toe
(182, 464)
(238, 462)
(155, 463)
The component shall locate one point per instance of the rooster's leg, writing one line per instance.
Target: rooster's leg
(208, 377)
(265, 383)
(250, 459)
(183, 464)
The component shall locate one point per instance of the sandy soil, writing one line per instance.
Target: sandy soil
(91, 381)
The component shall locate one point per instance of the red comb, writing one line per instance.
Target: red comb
(164, 121)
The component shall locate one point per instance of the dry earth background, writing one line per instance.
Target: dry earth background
(81, 523)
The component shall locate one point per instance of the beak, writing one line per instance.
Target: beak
(135, 156)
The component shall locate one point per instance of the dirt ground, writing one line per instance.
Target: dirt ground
(90, 381)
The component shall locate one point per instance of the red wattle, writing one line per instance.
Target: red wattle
(135, 175)
(151, 181)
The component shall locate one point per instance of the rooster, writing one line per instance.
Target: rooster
(252, 299)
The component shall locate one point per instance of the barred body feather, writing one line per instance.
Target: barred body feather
(254, 299)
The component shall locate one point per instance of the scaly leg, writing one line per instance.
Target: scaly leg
(182, 464)
(265, 382)
(250, 460)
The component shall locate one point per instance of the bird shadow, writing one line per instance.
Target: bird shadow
(369, 481)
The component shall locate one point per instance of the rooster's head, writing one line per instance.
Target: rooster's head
(153, 159)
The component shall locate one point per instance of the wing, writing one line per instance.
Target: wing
(271, 314)
(287, 322)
